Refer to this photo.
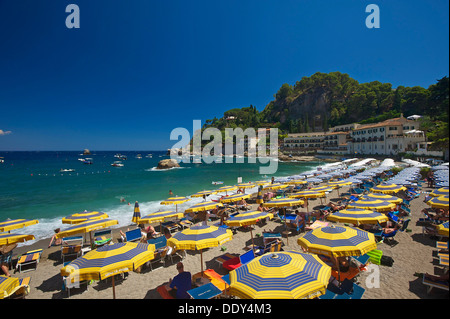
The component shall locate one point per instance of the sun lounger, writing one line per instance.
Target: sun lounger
(236, 262)
(443, 259)
(102, 237)
(273, 246)
(350, 274)
(442, 245)
(221, 259)
(133, 235)
(207, 291)
(317, 224)
(162, 290)
(434, 284)
(29, 258)
(68, 283)
(22, 290)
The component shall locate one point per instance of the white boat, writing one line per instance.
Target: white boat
(139, 156)
(217, 183)
(117, 164)
(149, 156)
(88, 161)
(64, 170)
(2, 160)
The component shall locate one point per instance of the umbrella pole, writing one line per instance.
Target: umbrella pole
(253, 244)
(201, 260)
(114, 288)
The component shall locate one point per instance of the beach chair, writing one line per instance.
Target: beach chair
(363, 260)
(101, 238)
(28, 259)
(133, 235)
(207, 291)
(375, 256)
(72, 246)
(69, 283)
(22, 290)
(184, 223)
(427, 281)
(171, 225)
(443, 260)
(271, 247)
(442, 245)
(236, 262)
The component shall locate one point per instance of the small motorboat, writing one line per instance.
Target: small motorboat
(217, 183)
(88, 161)
(64, 170)
(117, 164)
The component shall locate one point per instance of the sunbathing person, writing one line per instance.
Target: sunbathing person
(335, 207)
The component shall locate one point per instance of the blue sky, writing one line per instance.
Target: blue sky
(135, 70)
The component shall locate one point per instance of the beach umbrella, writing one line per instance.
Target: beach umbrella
(227, 189)
(439, 202)
(11, 224)
(372, 204)
(384, 197)
(86, 227)
(387, 188)
(296, 182)
(283, 275)
(160, 217)
(177, 200)
(203, 206)
(339, 184)
(234, 198)
(136, 213)
(247, 218)
(8, 285)
(261, 183)
(443, 229)
(276, 186)
(108, 261)
(8, 238)
(204, 193)
(84, 216)
(284, 202)
(308, 194)
(325, 188)
(199, 238)
(357, 216)
(338, 241)
(437, 192)
(259, 196)
(245, 185)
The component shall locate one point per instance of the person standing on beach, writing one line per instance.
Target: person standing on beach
(5, 258)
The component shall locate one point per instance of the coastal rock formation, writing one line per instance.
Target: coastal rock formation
(167, 163)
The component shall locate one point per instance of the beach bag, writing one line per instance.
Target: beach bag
(387, 261)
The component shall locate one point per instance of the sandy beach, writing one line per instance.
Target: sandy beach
(414, 253)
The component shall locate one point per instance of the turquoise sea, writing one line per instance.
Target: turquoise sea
(32, 186)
